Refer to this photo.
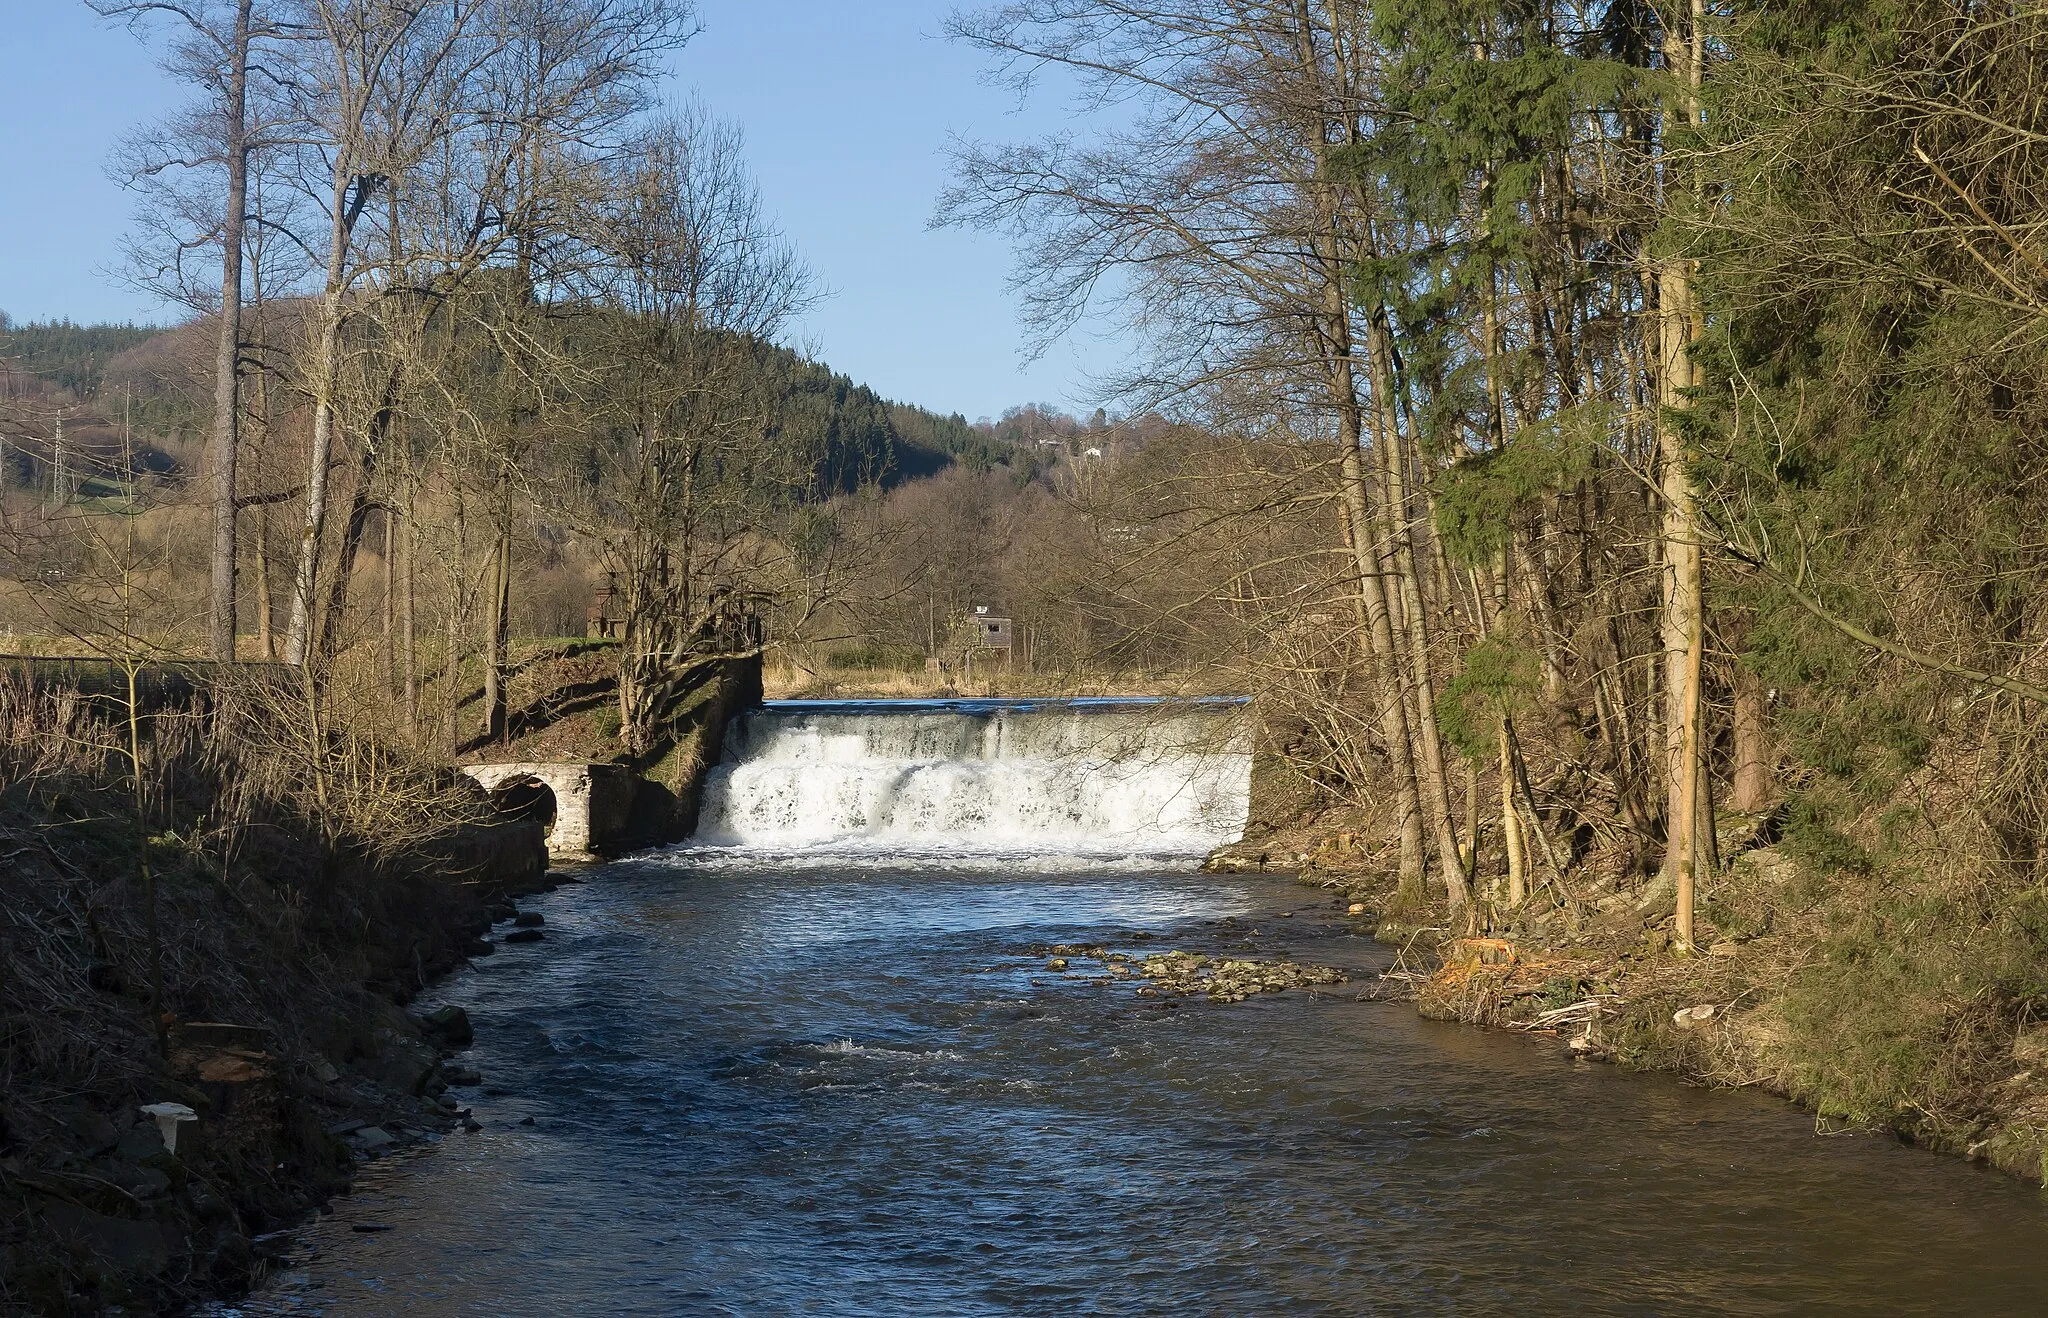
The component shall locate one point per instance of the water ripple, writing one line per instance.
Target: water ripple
(771, 1090)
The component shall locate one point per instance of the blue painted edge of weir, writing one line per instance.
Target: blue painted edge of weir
(995, 704)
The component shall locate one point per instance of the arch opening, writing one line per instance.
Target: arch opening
(527, 798)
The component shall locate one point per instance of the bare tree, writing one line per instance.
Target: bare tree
(472, 125)
(1214, 216)
(697, 278)
(214, 52)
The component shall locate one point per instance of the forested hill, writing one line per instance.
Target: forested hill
(860, 435)
(863, 436)
(69, 357)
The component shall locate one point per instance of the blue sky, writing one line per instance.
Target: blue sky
(847, 107)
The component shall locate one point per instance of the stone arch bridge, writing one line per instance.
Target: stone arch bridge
(583, 805)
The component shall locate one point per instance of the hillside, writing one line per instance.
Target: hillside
(68, 357)
(158, 378)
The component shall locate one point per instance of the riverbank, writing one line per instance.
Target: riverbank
(1794, 988)
(233, 947)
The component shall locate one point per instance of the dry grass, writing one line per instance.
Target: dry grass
(264, 877)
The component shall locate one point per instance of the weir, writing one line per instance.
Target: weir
(1093, 776)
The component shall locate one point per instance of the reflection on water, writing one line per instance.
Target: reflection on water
(777, 1090)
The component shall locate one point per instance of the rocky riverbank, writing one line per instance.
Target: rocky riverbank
(203, 984)
(104, 1212)
(222, 920)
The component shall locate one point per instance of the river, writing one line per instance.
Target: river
(730, 1083)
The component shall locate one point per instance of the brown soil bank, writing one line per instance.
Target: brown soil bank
(215, 908)
(1801, 983)
(1909, 997)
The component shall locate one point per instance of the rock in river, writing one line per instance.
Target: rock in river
(448, 1026)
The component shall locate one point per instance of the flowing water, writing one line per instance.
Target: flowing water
(1103, 777)
(812, 1075)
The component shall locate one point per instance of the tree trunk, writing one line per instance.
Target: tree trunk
(361, 505)
(1510, 825)
(408, 652)
(1685, 839)
(1680, 620)
(1397, 520)
(387, 644)
(1683, 622)
(1335, 247)
(350, 194)
(1379, 639)
(1468, 846)
(1752, 748)
(227, 394)
(498, 634)
(266, 639)
(451, 651)
(266, 591)
(305, 579)
(451, 678)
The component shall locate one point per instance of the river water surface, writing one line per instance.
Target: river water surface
(758, 1086)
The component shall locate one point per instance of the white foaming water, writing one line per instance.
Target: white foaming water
(964, 779)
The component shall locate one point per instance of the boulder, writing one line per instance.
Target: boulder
(524, 936)
(142, 1140)
(529, 919)
(449, 1026)
(401, 1062)
(93, 1131)
(205, 1201)
(139, 1180)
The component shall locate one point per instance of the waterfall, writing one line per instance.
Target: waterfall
(1082, 777)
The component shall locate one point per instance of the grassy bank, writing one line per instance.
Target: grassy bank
(1886, 968)
(1907, 1001)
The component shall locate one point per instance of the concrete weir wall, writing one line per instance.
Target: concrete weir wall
(592, 801)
